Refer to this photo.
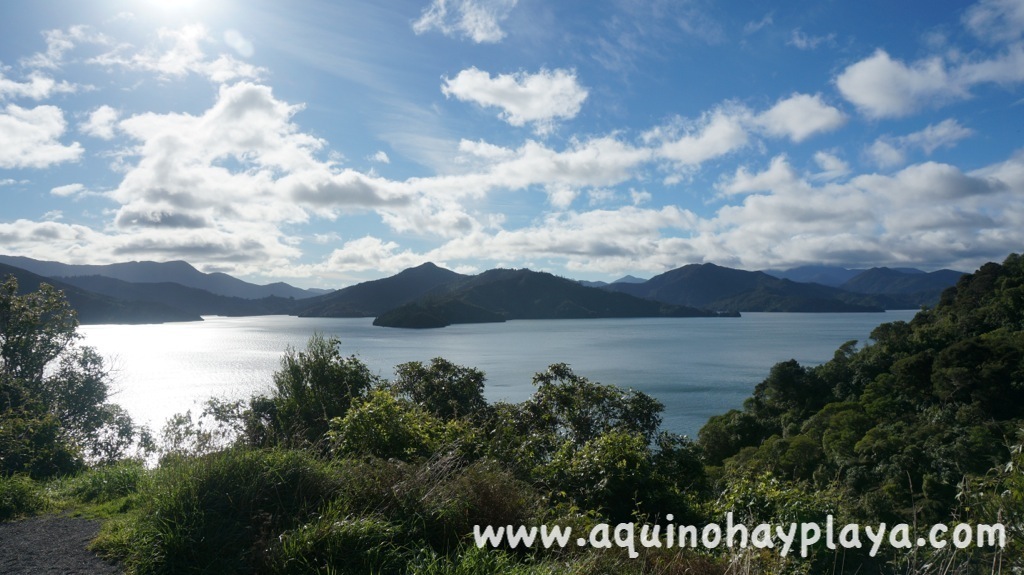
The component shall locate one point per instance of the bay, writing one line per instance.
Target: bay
(697, 367)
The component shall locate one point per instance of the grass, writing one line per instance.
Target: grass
(20, 496)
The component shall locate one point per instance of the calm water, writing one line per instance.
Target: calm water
(697, 367)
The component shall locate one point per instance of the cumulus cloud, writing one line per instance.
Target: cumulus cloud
(478, 20)
(832, 166)
(713, 135)
(38, 87)
(882, 87)
(101, 123)
(538, 99)
(889, 151)
(29, 138)
(799, 117)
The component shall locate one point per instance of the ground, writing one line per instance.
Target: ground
(51, 544)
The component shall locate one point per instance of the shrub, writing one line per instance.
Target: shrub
(109, 482)
(220, 513)
(19, 496)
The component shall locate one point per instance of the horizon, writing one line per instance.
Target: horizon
(383, 275)
(330, 143)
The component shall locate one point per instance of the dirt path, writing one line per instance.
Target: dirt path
(51, 544)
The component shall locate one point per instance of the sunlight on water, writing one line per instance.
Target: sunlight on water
(697, 367)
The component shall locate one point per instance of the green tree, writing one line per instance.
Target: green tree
(53, 394)
(311, 388)
(447, 390)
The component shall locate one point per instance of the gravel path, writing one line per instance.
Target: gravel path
(51, 544)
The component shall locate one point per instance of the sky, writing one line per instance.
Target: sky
(323, 143)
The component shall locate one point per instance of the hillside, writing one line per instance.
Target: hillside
(372, 298)
(159, 272)
(93, 308)
(715, 287)
(899, 426)
(926, 286)
(190, 300)
(524, 294)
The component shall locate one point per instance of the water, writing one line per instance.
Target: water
(697, 367)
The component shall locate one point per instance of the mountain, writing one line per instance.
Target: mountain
(158, 272)
(187, 299)
(503, 294)
(96, 308)
(629, 280)
(372, 298)
(901, 281)
(912, 287)
(832, 276)
(715, 287)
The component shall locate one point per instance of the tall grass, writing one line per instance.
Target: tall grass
(289, 511)
(20, 496)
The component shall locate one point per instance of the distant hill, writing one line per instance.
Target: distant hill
(372, 298)
(93, 308)
(191, 300)
(901, 281)
(832, 276)
(629, 280)
(719, 288)
(504, 294)
(159, 272)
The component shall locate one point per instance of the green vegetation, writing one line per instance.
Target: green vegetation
(340, 471)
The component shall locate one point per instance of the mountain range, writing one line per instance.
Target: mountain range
(431, 296)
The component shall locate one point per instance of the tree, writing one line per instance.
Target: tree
(53, 394)
(447, 390)
(311, 388)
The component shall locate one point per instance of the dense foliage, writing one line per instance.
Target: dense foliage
(340, 471)
(54, 413)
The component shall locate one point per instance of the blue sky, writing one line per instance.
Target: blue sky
(325, 143)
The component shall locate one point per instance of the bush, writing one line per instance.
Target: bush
(220, 513)
(19, 496)
(337, 543)
(311, 388)
(109, 482)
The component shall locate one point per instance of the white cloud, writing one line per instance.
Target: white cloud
(832, 166)
(806, 42)
(889, 151)
(38, 87)
(101, 123)
(881, 87)
(751, 27)
(691, 143)
(179, 53)
(799, 117)
(537, 99)
(780, 175)
(478, 20)
(239, 43)
(59, 42)
(67, 190)
(996, 20)
(29, 138)
(381, 157)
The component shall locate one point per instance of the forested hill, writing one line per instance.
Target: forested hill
(97, 308)
(500, 294)
(895, 428)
